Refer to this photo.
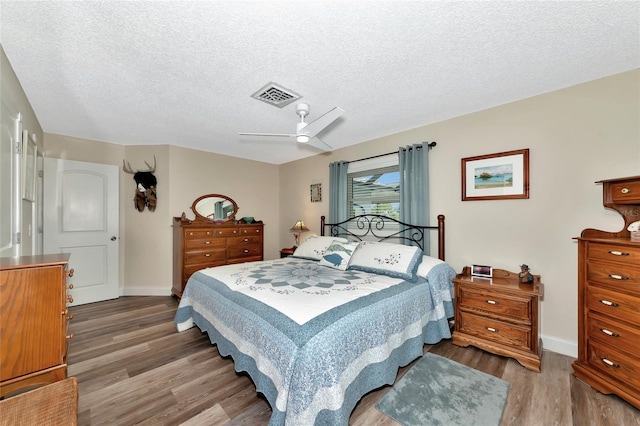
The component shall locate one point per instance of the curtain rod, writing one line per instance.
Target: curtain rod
(431, 146)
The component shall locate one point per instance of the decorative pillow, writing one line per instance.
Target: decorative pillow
(426, 265)
(338, 254)
(314, 247)
(394, 260)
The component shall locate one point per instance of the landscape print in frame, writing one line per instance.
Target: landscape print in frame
(500, 176)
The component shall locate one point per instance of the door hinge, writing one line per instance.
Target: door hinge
(18, 238)
(19, 147)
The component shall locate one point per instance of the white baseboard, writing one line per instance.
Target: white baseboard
(561, 346)
(145, 291)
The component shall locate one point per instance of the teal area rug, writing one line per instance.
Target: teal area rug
(438, 391)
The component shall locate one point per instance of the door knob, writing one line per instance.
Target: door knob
(113, 238)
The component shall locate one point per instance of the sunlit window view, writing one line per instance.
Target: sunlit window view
(374, 192)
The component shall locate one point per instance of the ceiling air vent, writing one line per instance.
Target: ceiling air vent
(276, 95)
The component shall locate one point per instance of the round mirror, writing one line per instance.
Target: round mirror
(214, 207)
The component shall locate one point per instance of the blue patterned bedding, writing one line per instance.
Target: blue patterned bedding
(315, 339)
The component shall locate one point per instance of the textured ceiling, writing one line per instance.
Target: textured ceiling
(182, 73)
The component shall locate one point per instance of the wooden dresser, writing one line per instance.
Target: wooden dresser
(33, 320)
(499, 315)
(200, 244)
(609, 299)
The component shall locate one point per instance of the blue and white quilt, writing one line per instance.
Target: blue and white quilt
(316, 339)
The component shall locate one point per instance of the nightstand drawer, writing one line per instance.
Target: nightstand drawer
(613, 304)
(613, 333)
(494, 330)
(624, 255)
(501, 304)
(613, 363)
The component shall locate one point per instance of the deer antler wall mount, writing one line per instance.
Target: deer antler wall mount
(146, 193)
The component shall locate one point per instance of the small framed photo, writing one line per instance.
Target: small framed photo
(482, 271)
(316, 192)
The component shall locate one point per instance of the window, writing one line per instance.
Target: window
(374, 191)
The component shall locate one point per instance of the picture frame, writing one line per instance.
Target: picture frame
(316, 192)
(500, 176)
(29, 156)
(482, 271)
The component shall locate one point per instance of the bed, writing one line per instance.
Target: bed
(318, 330)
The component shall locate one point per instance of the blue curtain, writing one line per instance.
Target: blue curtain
(338, 191)
(414, 186)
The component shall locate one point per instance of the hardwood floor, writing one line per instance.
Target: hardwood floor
(133, 367)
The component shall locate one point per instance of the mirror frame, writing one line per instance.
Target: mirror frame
(206, 219)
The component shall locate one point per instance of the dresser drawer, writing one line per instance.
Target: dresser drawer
(251, 231)
(499, 304)
(211, 243)
(197, 234)
(205, 256)
(614, 333)
(610, 253)
(190, 270)
(624, 278)
(496, 331)
(613, 304)
(226, 232)
(610, 361)
(625, 192)
(245, 251)
(246, 240)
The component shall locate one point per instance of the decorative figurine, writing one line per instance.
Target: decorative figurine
(524, 275)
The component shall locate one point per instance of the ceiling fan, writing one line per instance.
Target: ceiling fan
(306, 132)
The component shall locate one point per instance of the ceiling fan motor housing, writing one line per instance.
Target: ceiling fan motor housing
(302, 109)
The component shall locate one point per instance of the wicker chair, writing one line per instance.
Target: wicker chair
(53, 404)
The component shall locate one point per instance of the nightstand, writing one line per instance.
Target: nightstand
(285, 252)
(499, 315)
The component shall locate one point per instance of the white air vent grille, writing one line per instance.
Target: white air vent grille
(276, 95)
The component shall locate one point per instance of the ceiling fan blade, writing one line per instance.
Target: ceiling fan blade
(280, 135)
(320, 123)
(320, 144)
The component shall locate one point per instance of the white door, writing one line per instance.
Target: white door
(81, 218)
(10, 132)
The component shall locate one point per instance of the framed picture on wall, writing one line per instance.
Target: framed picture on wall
(316, 192)
(29, 154)
(500, 176)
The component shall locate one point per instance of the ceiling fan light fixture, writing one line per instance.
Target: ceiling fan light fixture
(302, 138)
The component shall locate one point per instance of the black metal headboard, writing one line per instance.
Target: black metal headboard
(384, 228)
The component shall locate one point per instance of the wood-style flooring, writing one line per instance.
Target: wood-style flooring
(133, 367)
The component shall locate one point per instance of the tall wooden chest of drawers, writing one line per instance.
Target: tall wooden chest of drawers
(33, 320)
(199, 244)
(609, 299)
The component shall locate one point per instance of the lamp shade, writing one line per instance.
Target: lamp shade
(299, 227)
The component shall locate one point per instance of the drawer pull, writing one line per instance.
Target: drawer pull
(491, 329)
(492, 302)
(70, 299)
(618, 277)
(70, 336)
(246, 240)
(70, 286)
(70, 317)
(618, 253)
(207, 255)
(207, 242)
(71, 271)
(606, 302)
(625, 190)
(609, 363)
(609, 333)
(246, 250)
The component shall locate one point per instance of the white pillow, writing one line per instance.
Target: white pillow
(338, 254)
(426, 265)
(394, 260)
(314, 247)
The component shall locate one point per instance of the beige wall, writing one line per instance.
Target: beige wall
(146, 238)
(576, 136)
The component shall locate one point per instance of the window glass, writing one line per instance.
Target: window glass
(374, 191)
